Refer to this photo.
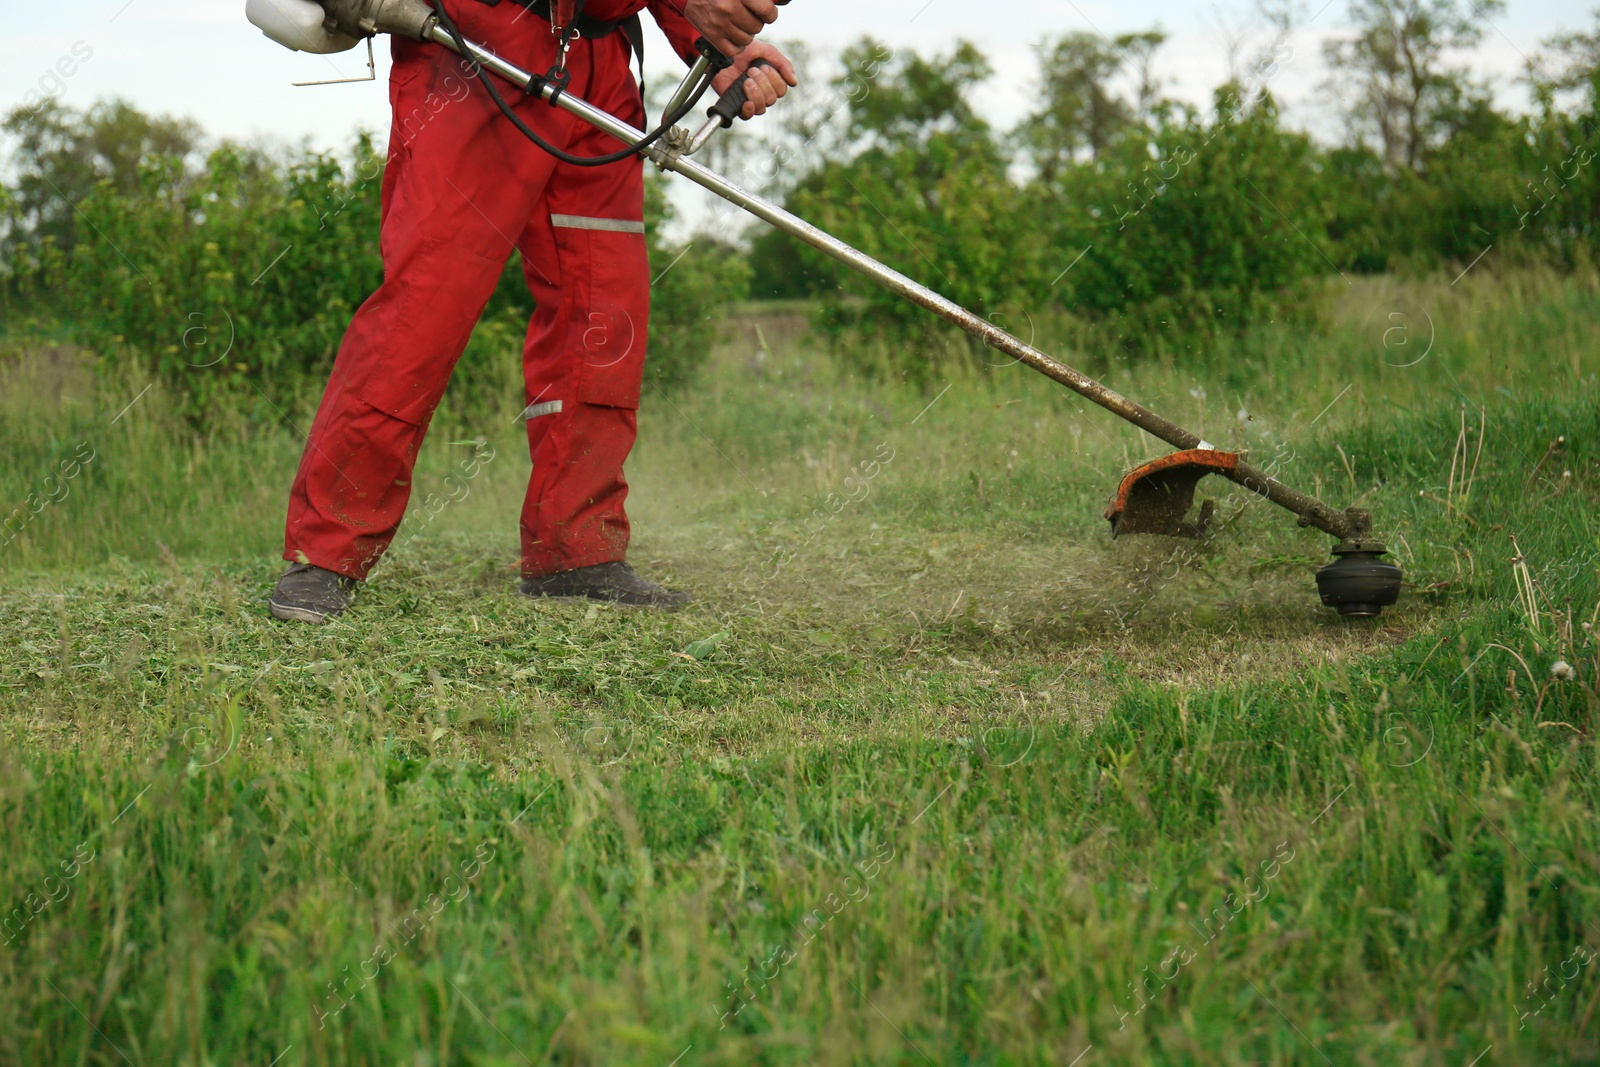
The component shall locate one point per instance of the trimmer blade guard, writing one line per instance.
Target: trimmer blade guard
(1155, 498)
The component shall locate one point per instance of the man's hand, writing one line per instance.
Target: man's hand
(766, 85)
(730, 25)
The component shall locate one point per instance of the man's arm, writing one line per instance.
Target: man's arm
(729, 25)
(680, 32)
(721, 22)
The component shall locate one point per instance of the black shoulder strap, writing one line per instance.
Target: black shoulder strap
(633, 30)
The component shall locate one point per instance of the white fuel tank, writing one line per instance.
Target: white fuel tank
(297, 25)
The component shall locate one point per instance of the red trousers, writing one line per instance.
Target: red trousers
(463, 189)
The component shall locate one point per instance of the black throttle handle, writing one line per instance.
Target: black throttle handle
(731, 104)
(717, 60)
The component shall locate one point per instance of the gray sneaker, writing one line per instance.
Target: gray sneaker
(614, 582)
(311, 594)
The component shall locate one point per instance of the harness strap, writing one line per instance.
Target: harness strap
(563, 13)
(586, 26)
(633, 30)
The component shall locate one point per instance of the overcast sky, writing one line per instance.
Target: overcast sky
(200, 58)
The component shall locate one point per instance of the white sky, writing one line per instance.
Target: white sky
(200, 58)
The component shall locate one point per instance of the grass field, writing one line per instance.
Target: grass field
(933, 772)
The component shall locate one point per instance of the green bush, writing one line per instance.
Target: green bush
(1154, 227)
(241, 267)
(693, 285)
(1218, 230)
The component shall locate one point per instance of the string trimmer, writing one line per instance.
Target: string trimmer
(1155, 498)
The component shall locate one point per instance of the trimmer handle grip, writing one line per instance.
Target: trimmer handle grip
(731, 103)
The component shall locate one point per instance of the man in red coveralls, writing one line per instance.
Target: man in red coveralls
(463, 188)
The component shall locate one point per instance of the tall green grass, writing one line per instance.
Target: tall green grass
(775, 424)
(954, 780)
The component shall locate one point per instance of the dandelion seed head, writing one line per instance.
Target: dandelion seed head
(1562, 671)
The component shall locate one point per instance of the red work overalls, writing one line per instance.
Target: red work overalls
(461, 190)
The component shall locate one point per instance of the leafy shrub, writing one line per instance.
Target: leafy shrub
(1219, 229)
(242, 266)
(1154, 226)
(693, 285)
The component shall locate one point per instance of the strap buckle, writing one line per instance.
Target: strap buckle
(567, 37)
(566, 31)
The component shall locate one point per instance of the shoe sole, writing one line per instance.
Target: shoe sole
(291, 613)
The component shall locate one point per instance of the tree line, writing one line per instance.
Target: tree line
(1167, 224)
(1154, 223)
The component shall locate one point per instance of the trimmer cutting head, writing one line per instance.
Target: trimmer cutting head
(1155, 498)
(1357, 582)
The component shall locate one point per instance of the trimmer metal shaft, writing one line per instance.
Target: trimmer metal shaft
(1313, 512)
